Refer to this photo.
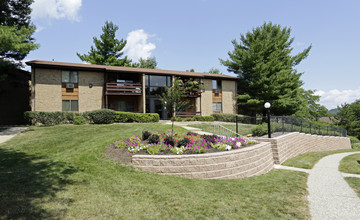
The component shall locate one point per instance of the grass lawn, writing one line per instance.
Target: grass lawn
(354, 183)
(308, 160)
(244, 129)
(350, 164)
(60, 172)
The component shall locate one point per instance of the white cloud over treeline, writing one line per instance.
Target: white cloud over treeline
(333, 98)
(56, 9)
(137, 45)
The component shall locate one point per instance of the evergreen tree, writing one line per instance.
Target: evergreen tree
(108, 49)
(309, 108)
(16, 30)
(265, 66)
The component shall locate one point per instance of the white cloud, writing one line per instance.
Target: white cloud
(333, 98)
(137, 46)
(58, 9)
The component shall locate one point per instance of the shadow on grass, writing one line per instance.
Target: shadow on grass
(27, 182)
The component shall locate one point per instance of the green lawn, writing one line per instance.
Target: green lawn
(60, 172)
(308, 160)
(354, 183)
(350, 164)
(244, 129)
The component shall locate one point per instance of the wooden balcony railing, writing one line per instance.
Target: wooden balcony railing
(122, 88)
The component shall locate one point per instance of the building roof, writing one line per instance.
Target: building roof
(103, 68)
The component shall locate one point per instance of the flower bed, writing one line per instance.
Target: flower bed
(180, 143)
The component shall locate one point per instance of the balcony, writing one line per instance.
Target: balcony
(123, 88)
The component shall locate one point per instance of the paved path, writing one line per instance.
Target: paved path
(330, 196)
(10, 133)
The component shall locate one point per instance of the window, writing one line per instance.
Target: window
(126, 106)
(69, 77)
(216, 84)
(217, 106)
(70, 105)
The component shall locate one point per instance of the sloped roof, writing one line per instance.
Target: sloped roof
(103, 68)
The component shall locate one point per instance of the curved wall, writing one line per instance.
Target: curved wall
(245, 162)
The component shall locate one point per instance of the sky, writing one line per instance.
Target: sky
(186, 34)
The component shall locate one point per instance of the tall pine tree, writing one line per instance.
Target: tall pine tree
(265, 66)
(108, 50)
(16, 30)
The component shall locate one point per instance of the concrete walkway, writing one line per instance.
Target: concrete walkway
(330, 196)
(10, 133)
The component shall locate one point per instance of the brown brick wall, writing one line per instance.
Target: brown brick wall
(249, 161)
(206, 98)
(228, 96)
(91, 98)
(47, 90)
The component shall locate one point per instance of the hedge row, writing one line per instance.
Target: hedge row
(195, 118)
(102, 116)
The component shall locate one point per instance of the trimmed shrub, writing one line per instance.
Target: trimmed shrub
(145, 135)
(259, 130)
(136, 117)
(154, 139)
(101, 116)
(48, 118)
(189, 119)
(203, 118)
(177, 119)
(79, 120)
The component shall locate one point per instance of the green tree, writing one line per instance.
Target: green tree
(108, 50)
(16, 33)
(265, 66)
(172, 97)
(148, 63)
(15, 14)
(309, 108)
(215, 70)
(191, 70)
(349, 117)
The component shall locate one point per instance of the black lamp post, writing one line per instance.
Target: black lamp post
(267, 106)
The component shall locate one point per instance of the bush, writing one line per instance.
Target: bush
(169, 141)
(183, 142)
(145, 135)
(136, 117)
(177, 119)
(101, 116)
(189, 119)
(209, 138)
(154, 139)
(48, 118)
(224, 117)
(260, 130)
(79, 120)
(203, 118)
(355, 142)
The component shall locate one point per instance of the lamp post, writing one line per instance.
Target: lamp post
(267, 106)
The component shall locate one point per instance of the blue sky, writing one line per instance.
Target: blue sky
(185, 34)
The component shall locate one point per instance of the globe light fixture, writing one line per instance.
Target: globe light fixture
(267, 106)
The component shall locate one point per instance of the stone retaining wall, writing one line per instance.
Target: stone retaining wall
(293, 144)
(245, 162)
(249, 161)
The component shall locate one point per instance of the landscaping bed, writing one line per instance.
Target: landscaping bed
(172, 144)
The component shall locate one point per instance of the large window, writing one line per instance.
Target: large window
(216, 84)
(126, 106)
(217, 106)
(70, 105)
(69, 76)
